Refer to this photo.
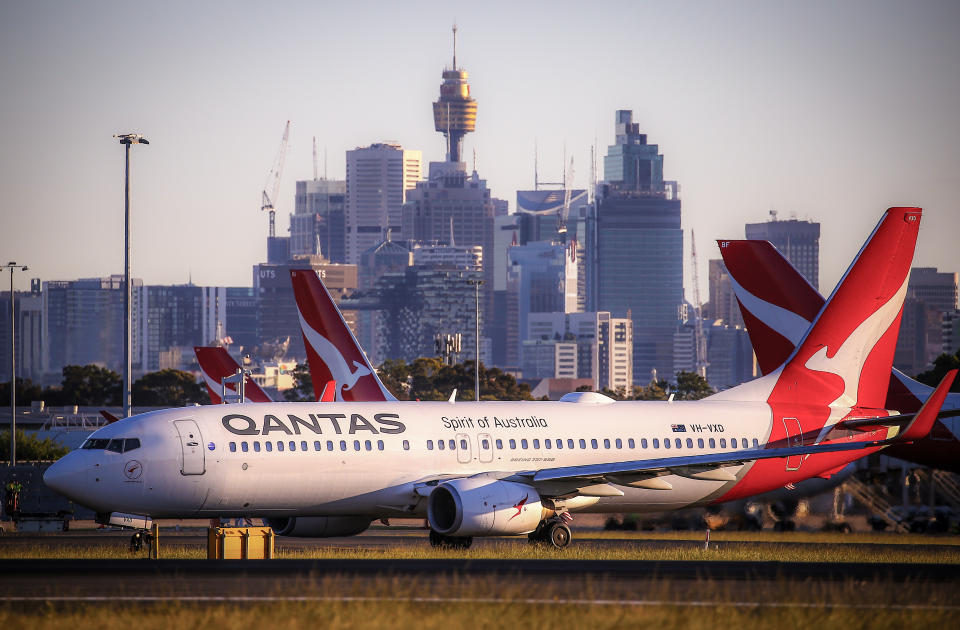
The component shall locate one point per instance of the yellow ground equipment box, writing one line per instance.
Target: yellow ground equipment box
(239, 543)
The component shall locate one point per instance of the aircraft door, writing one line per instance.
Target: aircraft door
(191, 441)
(794, 438)
(463, 448)
(485, 447)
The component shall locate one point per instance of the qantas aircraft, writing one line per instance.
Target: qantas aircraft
(778, 304)
(508, 468)
(216, 364)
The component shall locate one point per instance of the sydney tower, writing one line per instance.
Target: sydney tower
(455, 113)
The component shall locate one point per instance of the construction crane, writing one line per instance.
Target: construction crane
(273, 181)
(699, 340)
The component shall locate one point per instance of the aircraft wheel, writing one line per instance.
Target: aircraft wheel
(439, 540)
(136, 542)
(559, 535)
(538, 535)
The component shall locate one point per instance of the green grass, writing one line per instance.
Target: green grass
(733, 546)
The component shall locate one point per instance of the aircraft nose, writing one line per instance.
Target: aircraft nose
(65, 476)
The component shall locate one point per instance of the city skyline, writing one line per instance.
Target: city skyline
(827, 113)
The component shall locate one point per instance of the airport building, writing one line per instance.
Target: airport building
(798, 241)
(378, 179)
(635, 248)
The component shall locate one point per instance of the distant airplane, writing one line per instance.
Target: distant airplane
(216, 364)
(333, 353)
(508, 468)
(778, 304)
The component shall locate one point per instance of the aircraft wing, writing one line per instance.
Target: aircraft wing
(710, 466)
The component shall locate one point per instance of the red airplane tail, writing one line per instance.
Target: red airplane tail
(215, 365)
(332, 351)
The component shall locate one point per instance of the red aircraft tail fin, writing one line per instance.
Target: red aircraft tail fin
(215, 365)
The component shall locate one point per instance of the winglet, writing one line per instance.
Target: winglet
(329, 392)
(921, 424)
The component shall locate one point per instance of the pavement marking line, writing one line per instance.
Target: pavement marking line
(256, 599)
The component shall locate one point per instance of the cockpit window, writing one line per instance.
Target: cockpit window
(116, 445)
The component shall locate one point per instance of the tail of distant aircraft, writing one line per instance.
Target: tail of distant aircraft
(332, 351)
(215, 365)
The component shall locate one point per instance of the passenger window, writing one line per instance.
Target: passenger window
(559, 443)
(485, 444)
(429, 445)
(293, 445)
(723, 442)
(441, 444)
(700, 442)
(329, 445)
(677, 443)
(499, 444)
(243, 446)
(656, 443)
(593, 443)
(547, 444)
(713, 443)
(116, 446)
(343, 445)
(131, 444)
(643, 443)
(583, 443)
(356, 445)
(406, 445)
(523, 443)
(379, 445)
(316, 445)
(367, 444)
(303, 446)
(689, 442)
(755, 443)
(256, 447)
(269, 446)
(279, 446)
(570, 444)
(606, 443)
(233, 447)
(666, 443)
(536, 444)
(513, 443)
(452, 445)
(463, 445)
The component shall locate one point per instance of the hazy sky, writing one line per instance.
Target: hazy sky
(830, 111)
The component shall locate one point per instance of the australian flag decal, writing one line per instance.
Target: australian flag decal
(678, 428)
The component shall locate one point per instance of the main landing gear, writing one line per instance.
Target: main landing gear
(553, 531)
(450, 542)
(138, 539)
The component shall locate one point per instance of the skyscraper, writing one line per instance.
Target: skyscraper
(378, 178)
(636, 248)
(317, 224)
(931, 296)
(798, 241)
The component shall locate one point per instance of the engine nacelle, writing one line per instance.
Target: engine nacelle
(319, 526)
(479, 506)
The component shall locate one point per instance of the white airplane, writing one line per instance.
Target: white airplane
(510, 468)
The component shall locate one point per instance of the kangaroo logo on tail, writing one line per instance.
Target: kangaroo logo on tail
(328, 353)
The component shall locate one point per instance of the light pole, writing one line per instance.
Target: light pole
(127, 139)
(476, 365)
(13, 364)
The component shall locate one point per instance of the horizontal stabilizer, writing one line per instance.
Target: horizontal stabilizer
(923, 422)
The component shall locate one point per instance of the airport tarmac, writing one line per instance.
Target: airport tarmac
(554, 576)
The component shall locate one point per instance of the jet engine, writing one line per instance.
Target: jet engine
(319, 526)
(480, 506)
